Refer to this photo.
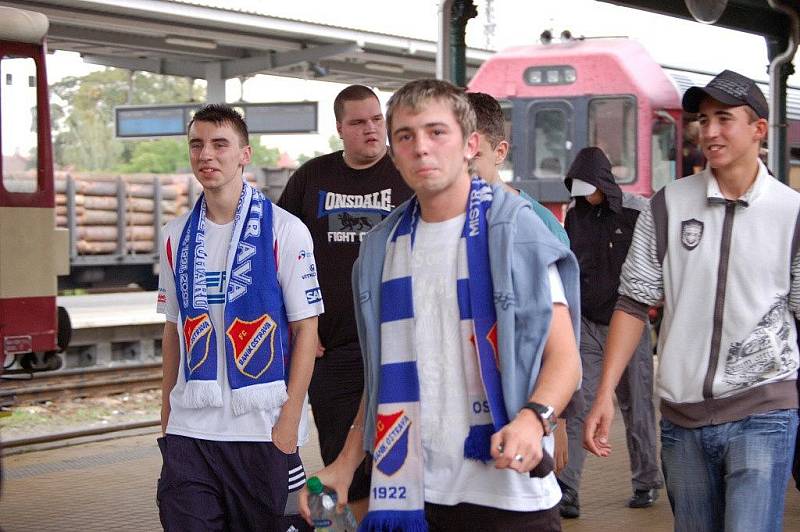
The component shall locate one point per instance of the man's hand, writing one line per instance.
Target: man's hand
(165, 411)
(561, 455)
(518, 445)
(284, 433)
(597, 425)
(335, 477)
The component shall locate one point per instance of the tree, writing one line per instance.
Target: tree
(160, 156)
(262, 156)
(82, 113)
(335, 143)
(302, 158)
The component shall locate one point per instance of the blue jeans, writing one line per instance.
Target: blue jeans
(732, 476)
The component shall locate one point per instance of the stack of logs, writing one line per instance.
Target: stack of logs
(97, 209)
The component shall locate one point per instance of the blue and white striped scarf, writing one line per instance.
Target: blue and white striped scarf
(397, 495)
(256, 327)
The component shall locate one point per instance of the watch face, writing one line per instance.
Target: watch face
(542, 410)
(546, 414)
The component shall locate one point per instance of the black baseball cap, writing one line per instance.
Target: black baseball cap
(730, 88)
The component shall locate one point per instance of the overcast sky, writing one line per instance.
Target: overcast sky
(670, 41)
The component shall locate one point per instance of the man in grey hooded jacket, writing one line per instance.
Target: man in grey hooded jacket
(432, 136)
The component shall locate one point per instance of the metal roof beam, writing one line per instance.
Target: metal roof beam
(229, 69)
(156, 66)
(752, 16)
(146, 43)
(313, 54)
(260, 63)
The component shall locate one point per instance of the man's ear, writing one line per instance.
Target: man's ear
(471, 146)
(339, 128)
(247, 155)
(500, 152)
(762, 127)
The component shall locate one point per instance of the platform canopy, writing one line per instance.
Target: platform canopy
(210, 40)
(752, 16)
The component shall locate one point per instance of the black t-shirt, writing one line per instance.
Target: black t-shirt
(339, 205)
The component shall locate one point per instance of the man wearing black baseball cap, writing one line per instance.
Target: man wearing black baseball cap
(719, 250)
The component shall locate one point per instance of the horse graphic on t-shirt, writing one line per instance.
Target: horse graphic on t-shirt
(354, 223)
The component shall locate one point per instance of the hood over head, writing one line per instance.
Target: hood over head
(593, 167)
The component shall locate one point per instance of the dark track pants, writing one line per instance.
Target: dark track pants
(635, 397)
(228, 486)
(466, 517)
(335, 394)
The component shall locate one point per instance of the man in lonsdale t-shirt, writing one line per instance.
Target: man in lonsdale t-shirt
(340, 197)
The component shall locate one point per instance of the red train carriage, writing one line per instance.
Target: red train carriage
(32, 251)
(596, 92)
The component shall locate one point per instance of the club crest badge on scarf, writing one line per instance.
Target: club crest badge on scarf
(391, 441)
(246, 338)
(197, 333)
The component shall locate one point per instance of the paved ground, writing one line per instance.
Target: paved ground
(110, 485)
(107, 310)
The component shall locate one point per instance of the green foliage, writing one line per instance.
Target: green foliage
(302, 158)
(82, 114)
(335, 143)
(160, 156)
(263, 156)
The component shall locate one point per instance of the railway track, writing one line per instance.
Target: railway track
(115, 348)
(73, 383)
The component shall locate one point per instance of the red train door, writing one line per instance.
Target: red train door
(32, 251)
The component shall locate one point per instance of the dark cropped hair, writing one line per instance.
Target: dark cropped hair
(353, 93)
(489, 115)
(220, 113)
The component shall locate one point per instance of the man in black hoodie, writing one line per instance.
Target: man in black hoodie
(600, 226)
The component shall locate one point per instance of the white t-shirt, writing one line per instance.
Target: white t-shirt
(298, 280)
(449, 478)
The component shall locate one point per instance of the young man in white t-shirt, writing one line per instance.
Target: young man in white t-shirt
(455, 428)
(241, 303)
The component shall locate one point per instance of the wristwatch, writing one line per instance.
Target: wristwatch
(546, 414)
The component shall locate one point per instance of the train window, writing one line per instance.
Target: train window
(18, 129)
(612, 128)
(662, 152)
(551, 145)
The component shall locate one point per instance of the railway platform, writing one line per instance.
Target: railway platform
(110, 485)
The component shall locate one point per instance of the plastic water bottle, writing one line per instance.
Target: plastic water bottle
(322, 503)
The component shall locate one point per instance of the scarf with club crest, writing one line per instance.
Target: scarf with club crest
(255, 324)
(397, 489)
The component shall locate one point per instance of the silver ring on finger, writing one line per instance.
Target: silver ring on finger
(519, 458)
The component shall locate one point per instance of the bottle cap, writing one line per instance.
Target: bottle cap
(314, 485)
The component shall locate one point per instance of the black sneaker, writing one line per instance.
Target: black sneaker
(642, 498)
(569, 507)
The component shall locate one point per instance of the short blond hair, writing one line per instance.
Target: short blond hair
(415, 94)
